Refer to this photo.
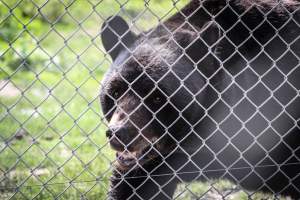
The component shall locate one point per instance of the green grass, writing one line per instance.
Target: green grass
(65, 143)
(217, 190)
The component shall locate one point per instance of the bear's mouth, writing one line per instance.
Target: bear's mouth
(127, 159)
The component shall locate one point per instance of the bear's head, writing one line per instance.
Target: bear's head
(154, 93)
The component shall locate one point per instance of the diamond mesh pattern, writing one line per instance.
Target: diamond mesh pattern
(239, 131)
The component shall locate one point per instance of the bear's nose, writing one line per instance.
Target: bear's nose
(113, 131)
(109, 133)
(120, 133)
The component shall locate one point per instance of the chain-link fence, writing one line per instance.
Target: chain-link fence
(200, 99)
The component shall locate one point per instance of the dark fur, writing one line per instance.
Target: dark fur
(191, 119)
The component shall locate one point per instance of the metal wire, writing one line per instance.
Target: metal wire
(154, 175)
(53, 62)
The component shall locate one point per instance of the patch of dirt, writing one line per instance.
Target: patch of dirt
(21, 134)
(41, 172)
(7, 89)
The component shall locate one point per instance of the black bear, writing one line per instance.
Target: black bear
(211, 93)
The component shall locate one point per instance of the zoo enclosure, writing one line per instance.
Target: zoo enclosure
(51, 128)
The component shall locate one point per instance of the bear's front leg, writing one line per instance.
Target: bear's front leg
(124, 183)
(144, 182)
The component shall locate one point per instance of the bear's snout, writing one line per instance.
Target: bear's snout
(118, 132)
(119, 137)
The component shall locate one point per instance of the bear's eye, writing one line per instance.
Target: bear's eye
(157, 99)
(115, 94)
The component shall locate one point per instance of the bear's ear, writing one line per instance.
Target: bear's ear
(116, 35)
(203, 50)
(205, 42)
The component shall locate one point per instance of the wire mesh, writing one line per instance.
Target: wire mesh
(199, 99)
